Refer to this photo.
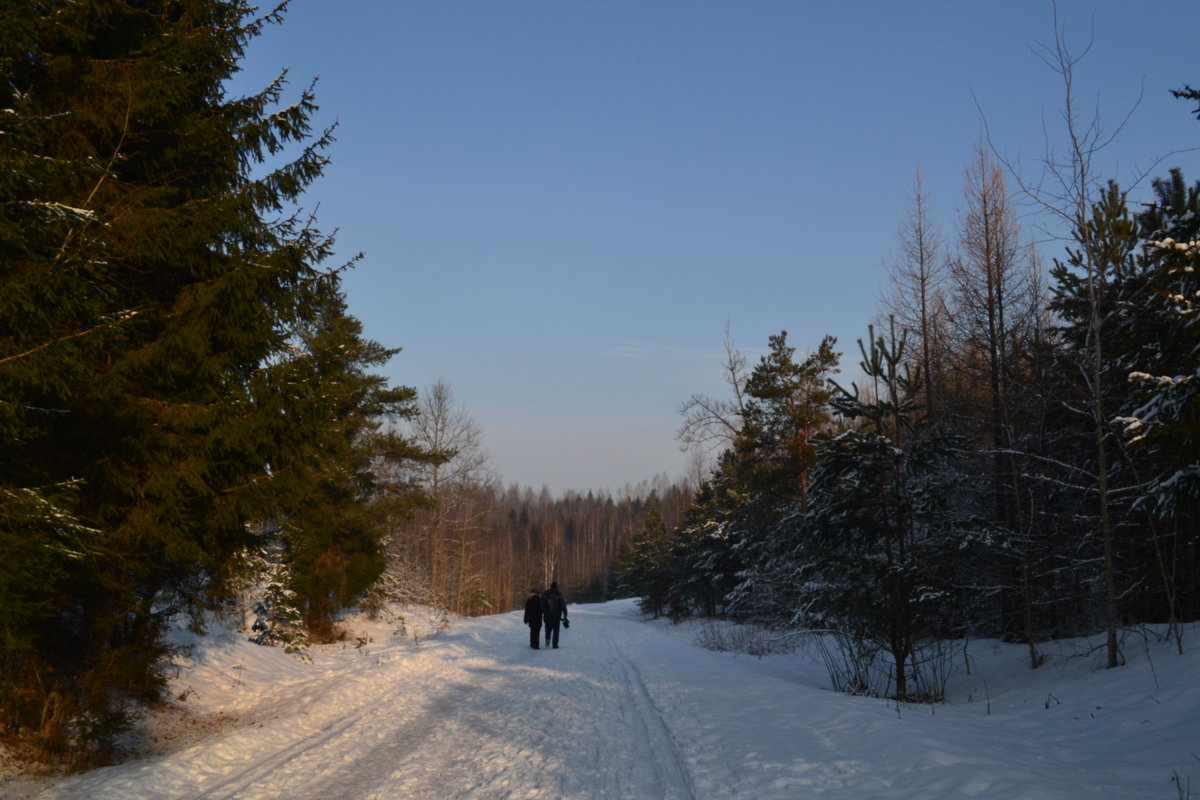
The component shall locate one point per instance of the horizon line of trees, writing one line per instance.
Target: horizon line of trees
(479, 547)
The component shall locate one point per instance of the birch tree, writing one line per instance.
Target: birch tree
(713, 423)
(449, 539)
(1066, 193)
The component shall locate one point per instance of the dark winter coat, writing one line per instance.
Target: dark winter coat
(533, 611)
(554, 607)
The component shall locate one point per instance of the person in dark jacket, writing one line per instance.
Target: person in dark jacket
(554, 609)
(533, 617)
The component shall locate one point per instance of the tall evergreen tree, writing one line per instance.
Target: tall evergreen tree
(706, 566)
(1162, 338)
(768, 473)
(159, 297)
(335, 503)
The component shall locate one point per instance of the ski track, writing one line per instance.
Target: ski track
(651, 732)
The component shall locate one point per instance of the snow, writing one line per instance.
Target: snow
(633, 709)
(60, 210)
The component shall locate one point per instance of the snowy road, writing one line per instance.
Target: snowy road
(473, 713)
(489, 719)
(626, 709)
(476, 713)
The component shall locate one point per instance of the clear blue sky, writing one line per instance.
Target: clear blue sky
(562, 202)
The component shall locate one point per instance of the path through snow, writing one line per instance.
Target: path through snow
(626, 709)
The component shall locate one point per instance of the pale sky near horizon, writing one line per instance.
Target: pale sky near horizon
(562, 204)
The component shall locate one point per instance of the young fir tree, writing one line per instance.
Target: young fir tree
(877, 549)
(705, 567)
(153, 289)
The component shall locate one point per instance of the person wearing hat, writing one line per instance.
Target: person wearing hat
(533, 617)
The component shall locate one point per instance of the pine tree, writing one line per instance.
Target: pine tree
(877, 551)
(787, 407)
(768, 478)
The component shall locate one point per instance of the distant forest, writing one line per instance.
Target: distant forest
(480, 550)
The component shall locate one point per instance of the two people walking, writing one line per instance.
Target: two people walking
(547, 607)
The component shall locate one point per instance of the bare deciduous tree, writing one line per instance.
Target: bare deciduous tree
(916, 300)
(1065, 192)
(712, 423)
(992, 306)
(446, 543)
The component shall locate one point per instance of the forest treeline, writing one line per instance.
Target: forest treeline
(481, 549)
(1018, 457)
(478, 547)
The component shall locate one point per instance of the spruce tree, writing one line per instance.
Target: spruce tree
(1162, 337)
(340, 414)
(705, 566)
(159, 293)
(646, 566)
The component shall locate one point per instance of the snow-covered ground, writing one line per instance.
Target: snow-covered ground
(630, 709)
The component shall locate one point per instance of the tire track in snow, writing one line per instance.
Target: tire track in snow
(659, 743)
